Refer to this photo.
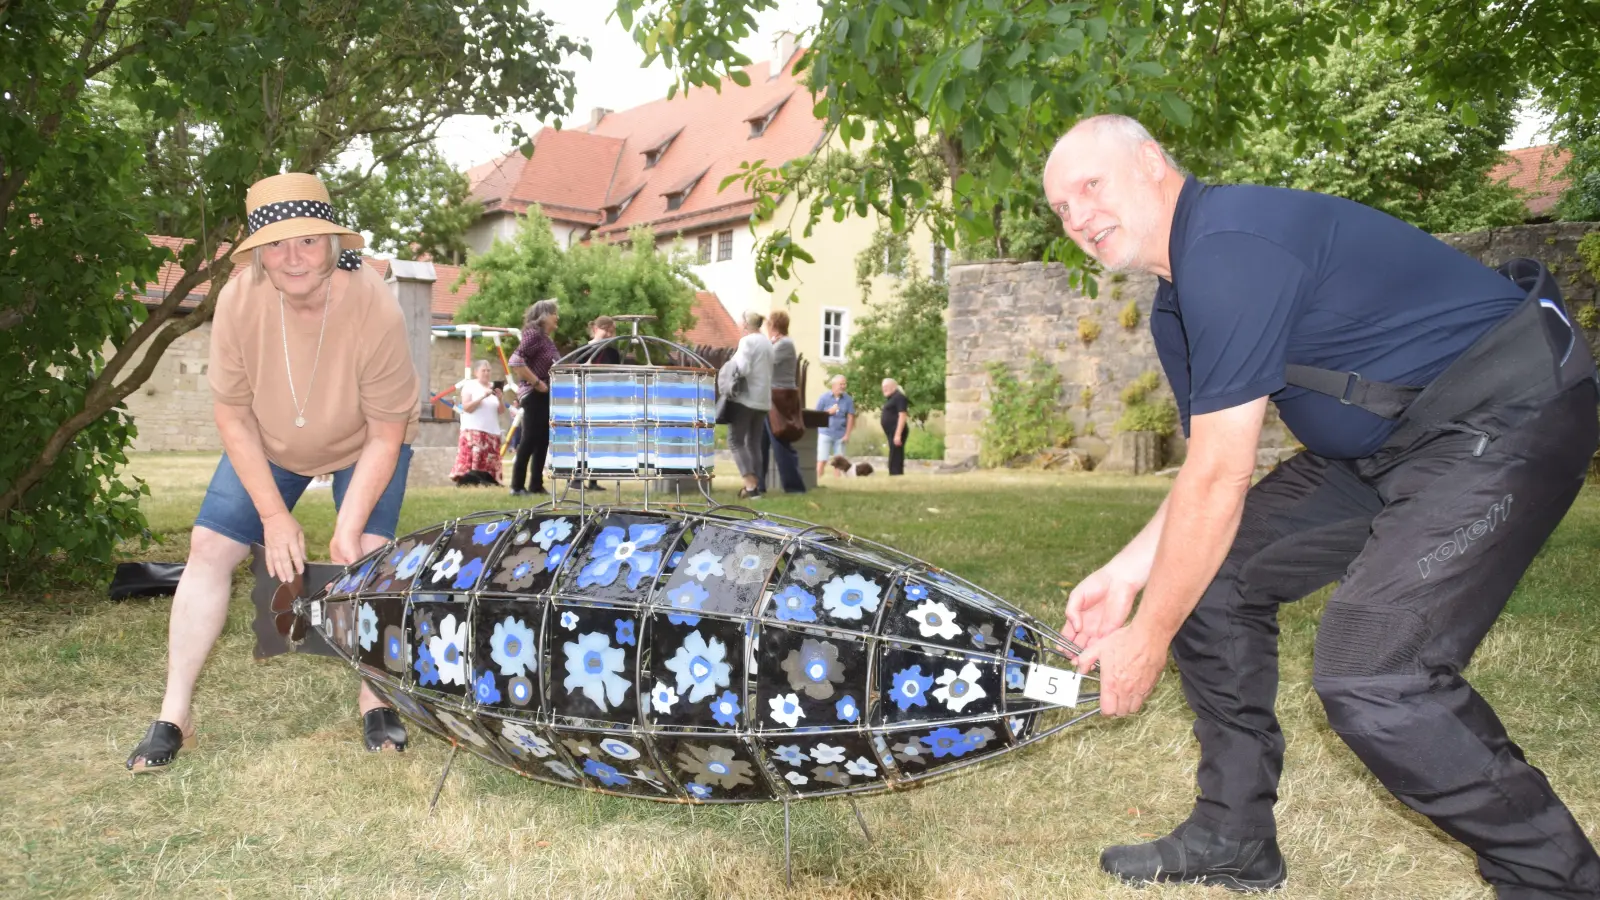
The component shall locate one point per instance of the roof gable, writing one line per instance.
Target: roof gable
(1537, 171)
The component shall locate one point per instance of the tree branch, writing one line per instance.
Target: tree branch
(11, 318)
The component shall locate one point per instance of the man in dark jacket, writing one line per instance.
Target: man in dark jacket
(894, 420)
(1448, 415)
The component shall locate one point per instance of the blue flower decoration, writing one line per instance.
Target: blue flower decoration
(676, 558)
(625, 631)
(725, 709)
(698, 790)
(1020, 633)
(846, 708)
(916, 592)
(689, 595)
(558, 555)
(948, 742)
(607, 774)
(484, 690)
(792, 604)
(552, 530)
(392, 647)
(485, 534)
(614, 550)
(413, 561)
(512, 647)
(468, 574)
(427, 672)
(351, 582)
(1014, 677)
(911, 687)
(791, 754)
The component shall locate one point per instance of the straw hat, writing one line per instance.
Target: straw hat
(289, 206)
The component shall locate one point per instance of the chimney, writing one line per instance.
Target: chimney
(782, 52)
(595, 115)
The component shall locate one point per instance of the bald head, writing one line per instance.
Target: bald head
(1115, 189)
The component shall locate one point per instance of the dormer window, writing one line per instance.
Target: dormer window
(681, 191)
(654, 152)
(615, 210)
(763, 117)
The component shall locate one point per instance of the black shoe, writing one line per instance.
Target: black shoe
(1195, 855)
(382, 729)
(159, 747)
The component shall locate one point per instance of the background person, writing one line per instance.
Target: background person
(310, 372)
(603, 328)
(531, 362)
(747, 407)
(894, 420)
(841, 410)
(478, 458)
(786, 402)
(1474, 413)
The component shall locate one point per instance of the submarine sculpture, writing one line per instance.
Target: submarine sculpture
(694, 655)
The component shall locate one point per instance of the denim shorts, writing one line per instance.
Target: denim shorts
(828, 446)
(229, 511)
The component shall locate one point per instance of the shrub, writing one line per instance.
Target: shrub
(924, 444)
(1588, 317)
(1130, 317)
(1024, 413)
(1088, 329)
(1140, 413)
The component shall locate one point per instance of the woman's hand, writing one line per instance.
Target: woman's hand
(286, 546)
(345, 548)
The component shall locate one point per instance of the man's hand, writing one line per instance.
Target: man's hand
(345, 548)
(1099, 605)
(1131, 660)
(286, 546)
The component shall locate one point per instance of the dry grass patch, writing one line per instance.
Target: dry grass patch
(280, 800)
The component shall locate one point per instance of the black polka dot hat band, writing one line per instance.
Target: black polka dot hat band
(294, 205)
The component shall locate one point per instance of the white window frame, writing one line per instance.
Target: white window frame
(843, 327)
(705, 250)
(725, 245)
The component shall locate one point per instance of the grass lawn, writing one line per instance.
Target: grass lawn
(280, 800)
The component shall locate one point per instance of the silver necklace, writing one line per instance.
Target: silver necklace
(283, 324)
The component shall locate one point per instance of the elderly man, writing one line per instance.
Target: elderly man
(893, 419)
(1448, 415)
(841, 410)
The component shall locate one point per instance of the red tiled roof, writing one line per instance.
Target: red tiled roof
(1537, 171)
(492, 181)
(445, 300)
(705, 130)
(712, 324)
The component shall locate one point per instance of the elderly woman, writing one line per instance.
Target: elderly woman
(786, 405)
(531, 362)
(478, 452)
(310, 374)
(748, 405)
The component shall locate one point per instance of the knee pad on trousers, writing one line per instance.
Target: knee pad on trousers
(1356, 640)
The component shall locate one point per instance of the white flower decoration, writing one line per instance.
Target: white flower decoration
(662, 697)
(826, 754)
(935, 620)
(786, 709)
(369, 626)
(619, 749)
(525, 742)
(551, 532)
(863, 767)
(795, 778)
(594, 667)
(701, 666)
(463, 730)
(704, 564)
(850, 597)
(447, 566)
(957, 689)
(449, 649)
(569, 620)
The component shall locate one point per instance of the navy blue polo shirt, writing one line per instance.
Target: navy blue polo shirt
(1263, 277)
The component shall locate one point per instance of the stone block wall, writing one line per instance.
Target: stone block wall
(1005, 311)
(173, 408)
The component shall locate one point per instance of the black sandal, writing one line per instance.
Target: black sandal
(381, 725)
(159, 747)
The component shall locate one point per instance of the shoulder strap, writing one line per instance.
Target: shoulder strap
(1377, 397)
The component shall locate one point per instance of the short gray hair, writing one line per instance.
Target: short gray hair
(539, 312)
(1124, 129)
(334, 249)
(753, 320)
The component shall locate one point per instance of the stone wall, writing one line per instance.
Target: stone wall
(1005, 311)
(173, 408)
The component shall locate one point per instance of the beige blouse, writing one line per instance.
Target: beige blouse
(365, 370)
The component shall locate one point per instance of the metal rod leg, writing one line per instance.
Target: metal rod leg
(439, 788)
(861, 820)
(788, 854)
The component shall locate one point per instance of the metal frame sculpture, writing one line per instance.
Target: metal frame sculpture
(701, 656)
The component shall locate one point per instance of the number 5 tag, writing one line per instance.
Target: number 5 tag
(1050, 685)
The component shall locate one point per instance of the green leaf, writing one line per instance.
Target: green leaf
(1018, 54)
(1061, 14)
(1149, 69)
(1020, 91)
(1469, 115)
(1176, 110)
(739, 77)
(996, 100)
(972, 55)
